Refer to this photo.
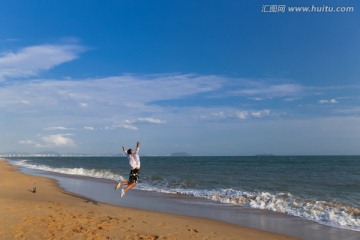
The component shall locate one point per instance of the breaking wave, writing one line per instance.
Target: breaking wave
(328, 213)
(95, 173)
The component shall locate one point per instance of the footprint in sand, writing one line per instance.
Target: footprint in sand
(193, 230)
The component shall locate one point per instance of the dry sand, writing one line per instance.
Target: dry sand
(52, 213)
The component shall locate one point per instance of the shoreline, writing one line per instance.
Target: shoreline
(54, 213)
(101, 191)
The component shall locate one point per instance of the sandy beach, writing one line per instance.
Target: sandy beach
(52, 213)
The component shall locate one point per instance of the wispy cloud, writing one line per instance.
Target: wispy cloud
(255, 114)
(236, 114)
(121, 94)
(128, 126)
(133, 124)
(29, 142)
(331, 101)
(58, 128)
(259, 90)
(11, 40)
(149, 120)
(51, 141)
(30, 61)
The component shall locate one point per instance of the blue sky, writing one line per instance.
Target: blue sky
(204, 77)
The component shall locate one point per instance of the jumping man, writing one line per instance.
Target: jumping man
(134, 161)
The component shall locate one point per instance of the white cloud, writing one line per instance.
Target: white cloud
(28, 142)
(29, 61)
(83, 105)
(58, 128)
(260, 114)
(58, 140)
(89, 128)
(125, 93)
(258, 99)
(232, 113)
(324, 101)
(26, 102)
(219, 114)
(149, 120)
(244, 114)
(131, 124)
(260, 91)
(51, 141)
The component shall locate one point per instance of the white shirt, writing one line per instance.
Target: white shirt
(134, 159)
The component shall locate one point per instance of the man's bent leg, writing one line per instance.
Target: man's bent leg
(130, 186)
(124, 183)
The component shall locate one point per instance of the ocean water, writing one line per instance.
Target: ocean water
(324, 189)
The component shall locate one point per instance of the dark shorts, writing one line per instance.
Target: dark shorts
(134, 175)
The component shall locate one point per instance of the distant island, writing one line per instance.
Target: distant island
(264, 155)
(180, 154)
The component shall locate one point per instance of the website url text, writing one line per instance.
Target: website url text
(308, 9)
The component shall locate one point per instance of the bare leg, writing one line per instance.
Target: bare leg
(130, 186)
(124, 183)
(119, 184)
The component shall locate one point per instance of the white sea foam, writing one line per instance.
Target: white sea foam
(328, 213)
(95, 173)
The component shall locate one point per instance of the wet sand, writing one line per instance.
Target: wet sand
(53, 213)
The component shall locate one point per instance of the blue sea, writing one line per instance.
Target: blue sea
(324, 189)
